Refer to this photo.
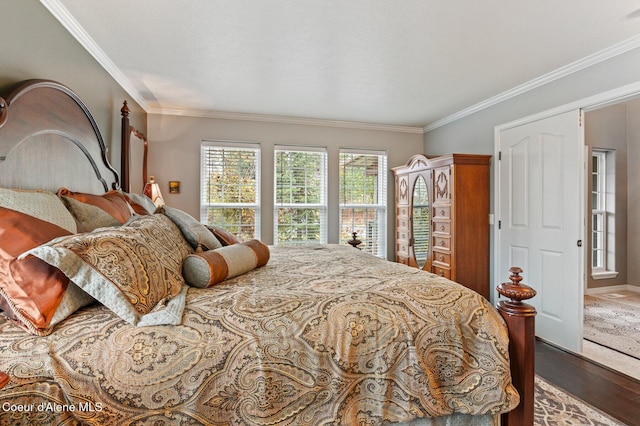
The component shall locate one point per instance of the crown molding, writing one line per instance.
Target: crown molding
(586, 62)
(70, 23)
(76, 30)
(287, 120)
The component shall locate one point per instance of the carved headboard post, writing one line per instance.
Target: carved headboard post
(125, 147)
(126, 157)
(520, 319)
(143, 138)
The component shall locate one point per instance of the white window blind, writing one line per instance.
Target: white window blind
(598, 212)
(300, 210)
(603, 217)
(230, 187)
(363, 198)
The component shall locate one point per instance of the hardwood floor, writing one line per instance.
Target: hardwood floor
(613, 393)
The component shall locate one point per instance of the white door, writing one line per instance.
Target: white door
(541, 212)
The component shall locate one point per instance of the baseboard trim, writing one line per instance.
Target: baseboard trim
(612, 289)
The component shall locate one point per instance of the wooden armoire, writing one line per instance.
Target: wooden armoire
(442, 217)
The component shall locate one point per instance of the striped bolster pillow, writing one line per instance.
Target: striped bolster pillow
(207, 268)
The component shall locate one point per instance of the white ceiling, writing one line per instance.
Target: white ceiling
(409, 63)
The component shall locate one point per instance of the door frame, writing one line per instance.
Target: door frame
(607, 98)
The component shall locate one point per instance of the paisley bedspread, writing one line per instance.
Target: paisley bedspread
(320, 335)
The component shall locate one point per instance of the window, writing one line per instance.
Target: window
(363, 199)
(602, 214)
(300, 212)
(230, 190)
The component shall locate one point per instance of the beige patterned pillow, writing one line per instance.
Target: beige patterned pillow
(134, 270)
(43, 205)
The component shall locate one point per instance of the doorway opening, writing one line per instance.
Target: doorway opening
(612, 291)
(622, 237)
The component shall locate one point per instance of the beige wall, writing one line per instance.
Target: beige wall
(633, 194)
(35, 45)
(606, 128)
(174, 154)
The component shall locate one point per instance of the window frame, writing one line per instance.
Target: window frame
(602, 249)
(378, 244)
(205, 146)
(322, 205)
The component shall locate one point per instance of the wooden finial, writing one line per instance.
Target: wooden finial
(355, 242)
(125, 109)
(515, 291)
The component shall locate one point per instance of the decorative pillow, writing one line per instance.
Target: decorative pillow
(196, 234)
(34, 294)
(43, 205)
(113, 202)
(141, 203)
(211, 267)
(225, 237)
(134, 270)
(88, 217)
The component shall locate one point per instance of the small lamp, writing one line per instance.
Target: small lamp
(152, 190)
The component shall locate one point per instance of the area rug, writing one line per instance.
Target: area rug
(554, 407)
(612, 323)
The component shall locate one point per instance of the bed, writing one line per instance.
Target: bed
(315, 335)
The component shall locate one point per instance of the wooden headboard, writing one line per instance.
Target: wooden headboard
(49, 139)
(134, 148)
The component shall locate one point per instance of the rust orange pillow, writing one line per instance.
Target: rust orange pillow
(225, 237)
(33, 293)
(113, 202)
(207, 268)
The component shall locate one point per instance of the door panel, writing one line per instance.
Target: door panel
(540, 190)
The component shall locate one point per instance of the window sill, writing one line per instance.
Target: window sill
(606, 275)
